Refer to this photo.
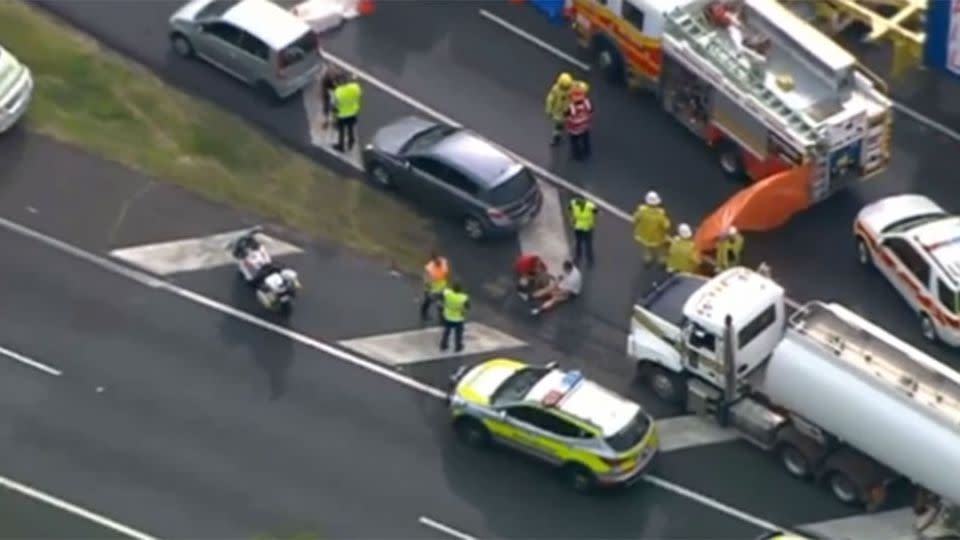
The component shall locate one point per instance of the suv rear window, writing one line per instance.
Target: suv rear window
(303, 47)
(215, 9)
(513, 189)
(631, 434)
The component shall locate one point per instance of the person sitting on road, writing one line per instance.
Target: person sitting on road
(568, 287)
(532, 274)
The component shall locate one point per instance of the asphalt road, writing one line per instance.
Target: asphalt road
(22, 517)
(429, 49)
(172, 371)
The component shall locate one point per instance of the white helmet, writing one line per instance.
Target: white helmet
(732, 231)
(290, 275)
(652, 198)
(684, 231)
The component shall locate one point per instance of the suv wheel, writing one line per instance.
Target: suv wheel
(472, 432)
(380, 176)
(863, 253)
(927, 328)
(181, 45)
(474, 228)
(579, 478)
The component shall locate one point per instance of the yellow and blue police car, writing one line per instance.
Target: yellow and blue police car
(596, 437)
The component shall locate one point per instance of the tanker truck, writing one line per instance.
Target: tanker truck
(837, 399)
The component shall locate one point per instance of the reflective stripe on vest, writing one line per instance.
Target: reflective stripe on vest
(437, 273)
(578, 118)
(347, 97)
(454, 306)
(584, 215)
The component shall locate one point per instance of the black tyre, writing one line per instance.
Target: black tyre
(578, 478)
(864, 257)
(379, 175)
(795, 461)
(608, 58)
(844, 489)
(471, 432)
(668, 386)
(474, 228)
(181, 45)
(730, 159)
(928, 329)
(286, 309)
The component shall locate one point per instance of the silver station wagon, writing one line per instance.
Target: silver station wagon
(256, 41)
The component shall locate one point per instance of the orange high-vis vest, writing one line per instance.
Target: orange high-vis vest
(437, 273)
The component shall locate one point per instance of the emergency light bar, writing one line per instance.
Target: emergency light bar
(569, 380)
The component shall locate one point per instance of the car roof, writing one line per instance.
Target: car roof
(267, 21)
(941, 240)
(586, 401)
(484, 161)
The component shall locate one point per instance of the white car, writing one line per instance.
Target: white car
(16, 89)
(916, 244)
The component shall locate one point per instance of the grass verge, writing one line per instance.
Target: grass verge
(93, 98)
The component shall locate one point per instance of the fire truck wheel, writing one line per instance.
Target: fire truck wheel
(863, 253)
(927, 328)
(843, 488)
(731, 160)
(609, 59)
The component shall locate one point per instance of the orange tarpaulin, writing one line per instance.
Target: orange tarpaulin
(763, 206)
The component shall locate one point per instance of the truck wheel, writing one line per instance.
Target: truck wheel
(609, 60)
(667, 386)
(863, 253)
(794, 461)
(578, 477)
(731, 160)
(844, 489)
(927, 328)
(472, 432)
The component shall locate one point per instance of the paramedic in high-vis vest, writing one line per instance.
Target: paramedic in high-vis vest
(651, 227)
(558, 100)
(347, 102)
(583, 214)
(456, 303)
(436, 274)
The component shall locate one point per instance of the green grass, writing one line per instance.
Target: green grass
(90, 97)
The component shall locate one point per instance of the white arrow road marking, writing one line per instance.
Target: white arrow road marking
(423, 345)
(891, 525)
(546, 235)
(321, 137)
(192, 254)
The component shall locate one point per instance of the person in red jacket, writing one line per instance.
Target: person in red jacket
(579, 115)
(532, 274)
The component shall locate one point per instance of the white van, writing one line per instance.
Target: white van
(16, 89)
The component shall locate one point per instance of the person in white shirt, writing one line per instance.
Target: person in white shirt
(566, 287)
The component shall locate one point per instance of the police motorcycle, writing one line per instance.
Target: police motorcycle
(275, 286)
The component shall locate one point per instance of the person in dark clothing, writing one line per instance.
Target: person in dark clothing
(332, 78)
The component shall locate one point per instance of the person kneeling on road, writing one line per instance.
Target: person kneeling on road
(567, 288)
(532, 275)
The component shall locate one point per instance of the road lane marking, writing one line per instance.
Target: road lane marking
(193, 254)
(556, 51)
(330, 350)
(422, 345)
(890, 525)
(17, 357)
(543, 173)
(71, 508)
(445, 529)
(520, 32)
(546, 234)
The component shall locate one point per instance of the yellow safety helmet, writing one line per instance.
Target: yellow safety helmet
(582, 85)
(565, 79)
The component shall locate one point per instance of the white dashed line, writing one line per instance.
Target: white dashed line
(17, 357)
(520, 32)
(447, 530)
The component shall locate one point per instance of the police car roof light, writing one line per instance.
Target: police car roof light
(552, 398)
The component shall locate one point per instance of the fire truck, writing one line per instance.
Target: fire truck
(762, 87)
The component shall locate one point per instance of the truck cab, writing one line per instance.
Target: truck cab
(670, 343)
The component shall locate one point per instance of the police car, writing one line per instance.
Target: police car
(595, 437)
(916, 244)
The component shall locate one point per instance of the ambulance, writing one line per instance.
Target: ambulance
(763, 88)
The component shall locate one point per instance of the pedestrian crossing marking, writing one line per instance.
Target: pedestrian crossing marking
(680, 432)
(546, 234)
(193, 254)
(890, 525)
(416, 346)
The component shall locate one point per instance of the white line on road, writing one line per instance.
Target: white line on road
(71, 508)
(330, 350)
(450, 531)
(17, 357)
(520, 32)
(913, 114)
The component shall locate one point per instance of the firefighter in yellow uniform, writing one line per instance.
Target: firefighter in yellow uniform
(729, 248)
(651, 227)
(683, 255)
(558, 101)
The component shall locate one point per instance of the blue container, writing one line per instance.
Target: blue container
(939, 53)
(553, 9)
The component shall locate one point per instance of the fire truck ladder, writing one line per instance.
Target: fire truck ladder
(702, 38)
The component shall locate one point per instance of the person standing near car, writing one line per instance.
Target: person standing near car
(583, 213)
(347, 102)
(456, 303)
(435, 275)
(333, 77)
